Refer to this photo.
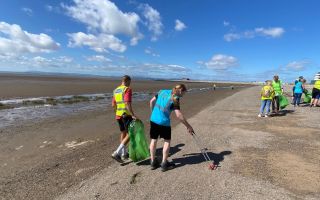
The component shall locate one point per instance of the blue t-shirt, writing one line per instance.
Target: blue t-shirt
(298, 88)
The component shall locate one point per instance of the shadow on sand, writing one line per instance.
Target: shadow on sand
(196, 158)
(173, 150)
(282, 113)
(188, 159)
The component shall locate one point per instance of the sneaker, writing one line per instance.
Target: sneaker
(167, 166)
(154, 164)
(125, 156)
(266, 115)
(116, 157)
(259, 115)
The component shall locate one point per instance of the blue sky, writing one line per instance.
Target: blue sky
(237, 40)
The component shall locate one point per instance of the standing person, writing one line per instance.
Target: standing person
(121, 102)
(298, 90)
(162, 104)
(267, 94)
(315, 94)
(278, 90)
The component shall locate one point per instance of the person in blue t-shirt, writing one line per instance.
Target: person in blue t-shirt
(298, 90)
(162, 104)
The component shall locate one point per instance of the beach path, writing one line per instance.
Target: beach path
(259, 158)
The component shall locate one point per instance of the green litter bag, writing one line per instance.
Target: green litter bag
(138, 147)
(283, 101)
(307, 97)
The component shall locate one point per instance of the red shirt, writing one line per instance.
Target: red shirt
(127, 98)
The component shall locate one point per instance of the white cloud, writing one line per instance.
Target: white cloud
(297, 65)
(99, 43)
(220, 62)
(274, 32)
(153, 21)
(179, 25)
(15, 41)
(98, 58)
(271, 32)
(28, 11)
(103, 17)
(151, 52)
(226, 23)
(231, 36)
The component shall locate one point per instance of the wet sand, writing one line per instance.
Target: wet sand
(41, 160)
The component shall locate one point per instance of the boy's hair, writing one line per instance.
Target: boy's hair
(181, 86)
(126, 78)
(268, 82)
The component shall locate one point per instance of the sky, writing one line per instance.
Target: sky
(229, 40)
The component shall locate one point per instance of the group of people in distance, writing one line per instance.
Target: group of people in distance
(272, 91)
(161, 105)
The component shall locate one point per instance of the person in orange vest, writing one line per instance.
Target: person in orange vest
(315, 94)
(121, 103)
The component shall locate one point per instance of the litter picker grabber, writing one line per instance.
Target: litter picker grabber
(212, 165)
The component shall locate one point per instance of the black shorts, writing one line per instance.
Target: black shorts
(157, 130)
(315, 93)
(124, 123)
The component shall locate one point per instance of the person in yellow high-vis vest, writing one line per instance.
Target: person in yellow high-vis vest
(266, 93)
(315, 93)
(278, 90)
(121, 102)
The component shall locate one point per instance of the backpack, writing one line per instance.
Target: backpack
(266, 92)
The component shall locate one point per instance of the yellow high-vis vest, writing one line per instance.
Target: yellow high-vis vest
(118, 95)
(267, 92)
(317, 84)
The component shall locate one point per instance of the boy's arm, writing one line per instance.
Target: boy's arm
(183, 120)
(152, 102)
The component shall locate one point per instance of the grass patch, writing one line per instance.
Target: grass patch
(33, 103)
(51, 101)
(97, 98)
(75, 99)
(4, 106)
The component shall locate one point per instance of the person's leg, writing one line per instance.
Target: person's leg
(154, 135)
(299, 98)
(165, 151)
(268, 102)
(278, 103)
(123, 135)
(295, 99)
(263, 104)
(153, 147)
(273, 104)
(316, 100)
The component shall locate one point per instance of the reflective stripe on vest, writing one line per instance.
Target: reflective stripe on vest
(161, 110)
(317, 84)
(118, 95)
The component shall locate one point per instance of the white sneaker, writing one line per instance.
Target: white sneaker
(259, 115)
(125, 156)
(266, 115)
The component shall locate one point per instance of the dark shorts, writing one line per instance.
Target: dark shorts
(124, 123)
(158, 130)
(315, 93)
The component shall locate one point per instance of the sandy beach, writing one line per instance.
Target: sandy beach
(259, 158)
(43, 159)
